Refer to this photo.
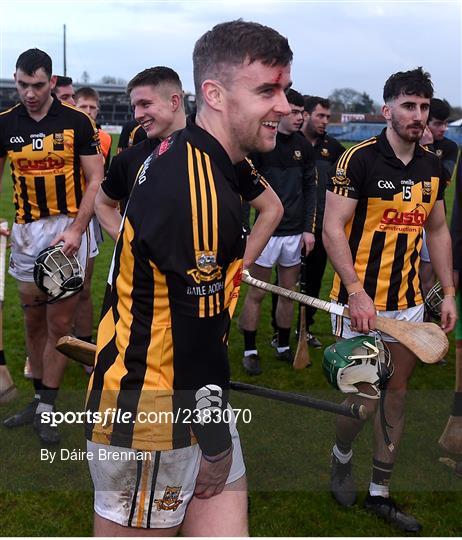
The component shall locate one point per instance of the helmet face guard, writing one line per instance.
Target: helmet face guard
(433, 301)
(58, 275)
(362, 359)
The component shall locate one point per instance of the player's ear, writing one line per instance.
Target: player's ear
(175, 100)
(212, 93)
(53, 80)
(386, 112)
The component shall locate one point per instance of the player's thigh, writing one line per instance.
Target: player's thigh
(61, 314)
(105, 527)
(258, 272)
(33, 302)
(288, 276)
(404, 362)
(222, 515)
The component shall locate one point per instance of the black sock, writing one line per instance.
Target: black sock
(250, 340)
(88, 339)
(48, 395)
(344, 447)
(2, 359)
(37, 385)
(381, 472)
(283, 337)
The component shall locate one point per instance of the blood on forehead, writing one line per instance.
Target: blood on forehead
(278, 77)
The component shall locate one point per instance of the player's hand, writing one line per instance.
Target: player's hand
(308, 241)
(362, 312)
(70, 239)
(427, 136)
(448, 313)
(4, 232)
(213, 475)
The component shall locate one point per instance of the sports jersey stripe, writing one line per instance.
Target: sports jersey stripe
(135, 334)
(203, 201)
(24, 203)
(10, 109)
(139, 469)
(192, 191)
(143, 491)
(373, 264)
(78, 181)
(392, 301)
(155, 472)
(41, 196)
(214, 201)
(345, 157)
(202, 306)
(413, 295)
(61, 200)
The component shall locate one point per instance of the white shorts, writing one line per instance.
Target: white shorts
(151, 492)
(424, 255)
(283, 250)
(29, 239)
(341, 325)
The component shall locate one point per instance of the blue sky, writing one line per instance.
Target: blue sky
(336, 44)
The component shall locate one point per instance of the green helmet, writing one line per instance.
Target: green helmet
(362, 359)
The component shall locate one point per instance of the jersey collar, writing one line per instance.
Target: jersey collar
(206, 142)
(386, 149)
(53, 110)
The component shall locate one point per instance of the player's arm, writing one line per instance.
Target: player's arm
(270, 212)
(107, 212)
(439, 248)
(339, 210)
(92, 167)
(202, 387)
(310, 184)
(4, 232)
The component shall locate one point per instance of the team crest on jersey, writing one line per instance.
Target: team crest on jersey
(171, 499)
(58, 141)
(439, 152)
(325, 153)
(164, 145)
(426, 187)
(206, 269)
(340, 177)
(297, 155)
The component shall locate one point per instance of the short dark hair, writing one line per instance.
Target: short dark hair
(311, 102)
(294, 98)
(230, 44)
(87, 92)
(154, 76)
(415, 82)
(33, 59)
(61, 80)
(439, 109)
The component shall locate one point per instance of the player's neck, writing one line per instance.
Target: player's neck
(404, 150)
(311, 136)
(213, 125)
(43, 111)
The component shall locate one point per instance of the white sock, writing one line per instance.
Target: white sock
(343, 458)
(248, 353)
(282, 349)
(43, 407)
(378, 490)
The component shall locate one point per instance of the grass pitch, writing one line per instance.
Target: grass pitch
(286, 448)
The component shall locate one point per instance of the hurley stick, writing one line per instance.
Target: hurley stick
(8, 390)
(426, 340)
(302, 355)
(84, 352)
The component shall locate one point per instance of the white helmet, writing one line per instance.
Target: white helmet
(58, 275)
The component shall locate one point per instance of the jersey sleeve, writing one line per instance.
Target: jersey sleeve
(251, 182)
(310, 184)
(87, 137)
(115, 184)
(345, 176)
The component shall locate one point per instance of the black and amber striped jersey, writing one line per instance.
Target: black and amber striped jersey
(172, 288)
(132, 133)
(385, 231)
(45, 159)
